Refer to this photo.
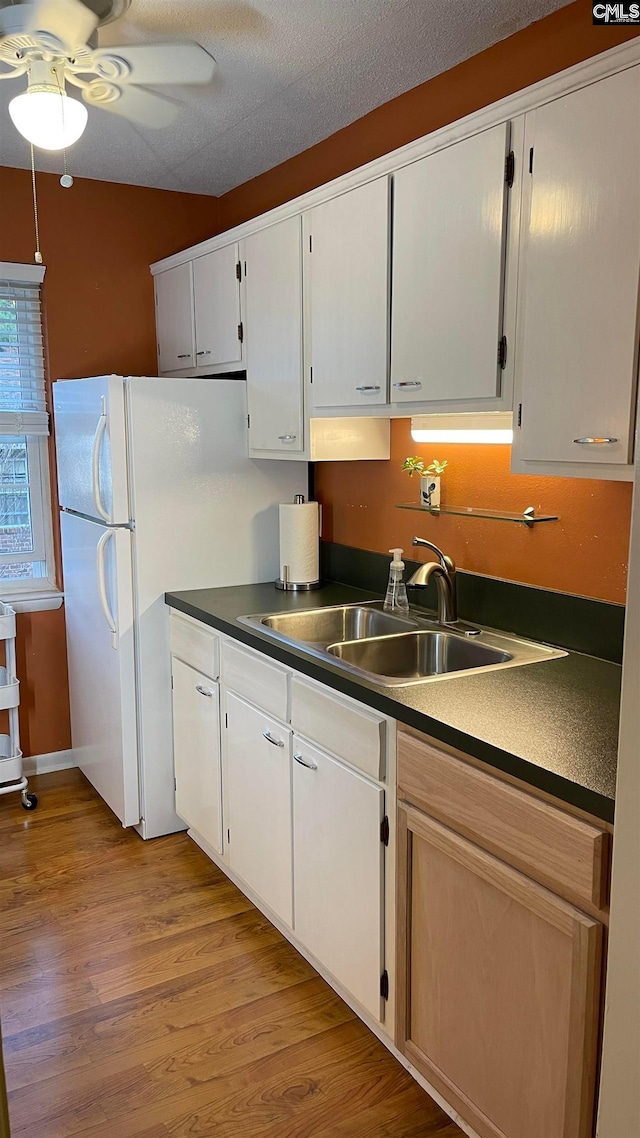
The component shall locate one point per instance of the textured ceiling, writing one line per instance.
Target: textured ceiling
(290, 73)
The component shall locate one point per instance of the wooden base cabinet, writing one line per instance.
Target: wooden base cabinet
(498, 987)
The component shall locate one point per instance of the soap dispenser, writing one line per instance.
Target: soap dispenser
(396, 599)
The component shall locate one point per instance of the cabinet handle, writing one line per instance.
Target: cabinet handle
(408, 383)
(311, 766)
(287, 438)
(204, 353)
(594, 442)
(185, 356)
(270, 739)
(369, 387)
(204, 691)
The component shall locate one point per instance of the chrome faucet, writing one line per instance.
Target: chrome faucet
(444, 571)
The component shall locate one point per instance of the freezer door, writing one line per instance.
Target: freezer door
(100, 648)
(91, 448)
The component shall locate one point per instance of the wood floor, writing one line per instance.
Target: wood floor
(142, 996)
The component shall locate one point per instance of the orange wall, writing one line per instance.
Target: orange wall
(559, 41)
(584, 552)
(98, 240)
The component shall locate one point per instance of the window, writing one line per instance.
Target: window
(26, 564)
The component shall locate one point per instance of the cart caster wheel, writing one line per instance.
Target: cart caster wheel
(29, 801)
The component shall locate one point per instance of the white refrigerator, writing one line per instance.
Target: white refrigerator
(156, 494)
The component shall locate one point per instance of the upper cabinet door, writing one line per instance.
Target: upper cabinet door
(273, 295)
(578, 295)
(174, 318)
(449, 230)
(216, 284)
(348, 278)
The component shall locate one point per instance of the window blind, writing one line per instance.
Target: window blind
(22, 388)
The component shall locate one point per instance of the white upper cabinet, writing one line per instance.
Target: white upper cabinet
(174, 318)
(273, 300)
(449, 237)
(347, 257)
(216, 285)
(578, 290)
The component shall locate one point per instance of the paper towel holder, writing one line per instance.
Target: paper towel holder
(291, 586)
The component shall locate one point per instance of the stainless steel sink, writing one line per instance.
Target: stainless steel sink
(394, 651)
(344, 622)
(413, 656)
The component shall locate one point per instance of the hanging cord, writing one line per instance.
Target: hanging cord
(38, 255)
(66, 180)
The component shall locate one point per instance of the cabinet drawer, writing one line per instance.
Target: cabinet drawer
(261, 682)
(355, 735)
(195, 644)
(564, 852)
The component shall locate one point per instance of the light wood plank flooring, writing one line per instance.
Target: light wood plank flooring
(143, 996)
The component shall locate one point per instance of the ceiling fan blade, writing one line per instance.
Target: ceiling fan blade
(145, 108)
(155, 64)
(60, 24)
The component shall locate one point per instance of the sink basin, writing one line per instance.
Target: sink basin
(394, 651)
(413, 656)
(328, 625)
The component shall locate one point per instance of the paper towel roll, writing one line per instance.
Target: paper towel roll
(299, 542)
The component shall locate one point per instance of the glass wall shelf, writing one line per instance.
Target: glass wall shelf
(527, 518)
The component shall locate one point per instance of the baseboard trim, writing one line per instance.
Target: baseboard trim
(45, 764)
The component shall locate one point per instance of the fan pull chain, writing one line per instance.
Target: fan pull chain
(66, 180)
(38, 254)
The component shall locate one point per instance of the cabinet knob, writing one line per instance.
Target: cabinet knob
(287, 438)
(204, 691)
(368, 387)
(588, 441)
(311, 766)
(270, 739)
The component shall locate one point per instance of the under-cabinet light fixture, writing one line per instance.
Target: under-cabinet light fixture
(482, 427)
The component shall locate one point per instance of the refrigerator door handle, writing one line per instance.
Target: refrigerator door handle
(102, 586)
(97, 444)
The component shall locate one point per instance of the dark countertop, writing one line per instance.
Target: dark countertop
(552, 724)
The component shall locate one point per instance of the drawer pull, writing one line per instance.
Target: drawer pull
(204, 691)
(594, 442)
(185, 356)
(270, 739)
(204, 352)
(311, 766)
(404, 383)
(368, 387)
(287, 438)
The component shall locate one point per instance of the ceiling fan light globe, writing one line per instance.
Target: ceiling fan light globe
(48, 119)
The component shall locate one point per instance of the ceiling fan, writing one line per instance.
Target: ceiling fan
(54, 43)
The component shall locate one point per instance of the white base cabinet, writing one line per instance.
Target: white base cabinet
(338, 859)
(257, 776)
(196, 748)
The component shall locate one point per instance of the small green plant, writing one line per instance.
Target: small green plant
(415, 465)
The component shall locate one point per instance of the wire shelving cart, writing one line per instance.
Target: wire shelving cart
(11, 776)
